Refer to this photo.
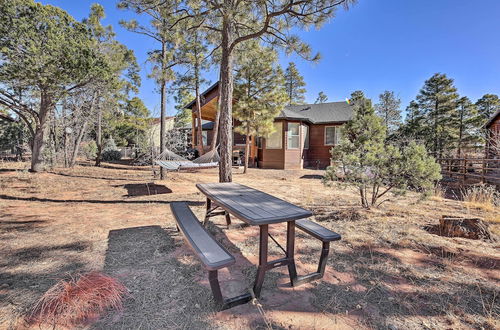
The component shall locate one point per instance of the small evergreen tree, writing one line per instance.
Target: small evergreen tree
(365, 160)
(322, 98)
(388, 110)
(110, 151)
(258, 92)
(294, 85)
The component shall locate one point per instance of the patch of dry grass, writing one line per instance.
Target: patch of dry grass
(483, 197)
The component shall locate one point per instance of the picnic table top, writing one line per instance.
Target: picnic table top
(252, 206)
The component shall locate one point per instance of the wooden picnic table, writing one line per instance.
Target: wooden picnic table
(258, 208)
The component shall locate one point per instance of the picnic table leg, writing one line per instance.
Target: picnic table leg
(290, 251)
(209, 204)
(261, 270)
(228, 219)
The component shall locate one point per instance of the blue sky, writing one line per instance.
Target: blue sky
(375, 46)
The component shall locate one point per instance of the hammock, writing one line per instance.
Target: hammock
(173, 162)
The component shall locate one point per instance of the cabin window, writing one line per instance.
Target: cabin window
(274, 141)
(332, 135)
(305, 136)
(293, 135)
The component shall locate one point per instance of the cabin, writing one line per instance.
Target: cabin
(493, 136)
(303, 136)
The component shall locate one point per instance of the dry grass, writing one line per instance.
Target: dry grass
(387, 270)
(481, 197)
(73, 302)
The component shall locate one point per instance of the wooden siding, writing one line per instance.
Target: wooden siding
(318, 155)
(273, 158)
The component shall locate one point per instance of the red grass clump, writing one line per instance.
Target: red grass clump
(78, 300)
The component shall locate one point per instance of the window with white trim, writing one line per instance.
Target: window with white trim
(332, 135)
(274, 140)
(293, 135)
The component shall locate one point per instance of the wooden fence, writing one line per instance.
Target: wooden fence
(471, 170)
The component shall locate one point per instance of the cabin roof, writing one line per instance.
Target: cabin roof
(320, 113)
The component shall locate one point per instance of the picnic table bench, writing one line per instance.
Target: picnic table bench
(255, 208)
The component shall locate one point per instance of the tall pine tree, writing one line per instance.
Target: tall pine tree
(438, 102)
(258, 92)
(294, 85)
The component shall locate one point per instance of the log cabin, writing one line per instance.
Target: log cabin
(303, 135)
(493, 136)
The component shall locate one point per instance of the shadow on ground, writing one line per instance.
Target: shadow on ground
(144, 189)
(163, 291)
(93, 201)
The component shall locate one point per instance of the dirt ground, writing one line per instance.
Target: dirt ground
(387, 272)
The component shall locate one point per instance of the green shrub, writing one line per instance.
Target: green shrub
(111, 155)
(110, 151)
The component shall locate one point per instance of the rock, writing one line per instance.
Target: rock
(472, 228)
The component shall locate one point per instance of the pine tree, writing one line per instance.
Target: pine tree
(468, 122)
(322, 98)
(438, 102)
(487, 106)
(388, 110)
(258, 93)
(45, 54)
(365, 159)
(294, 85)
(194, 51)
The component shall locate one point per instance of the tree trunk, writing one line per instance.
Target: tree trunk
(215, 131)
(38, 146)
(199, 131)
(247, 150)
(76, 147)
(99, 136)
(226, 104)
(460, 133)
(163, 96)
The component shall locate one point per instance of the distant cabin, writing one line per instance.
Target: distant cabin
(303, 137)
(493, 136)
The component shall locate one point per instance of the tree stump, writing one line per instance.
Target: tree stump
(471, 228)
